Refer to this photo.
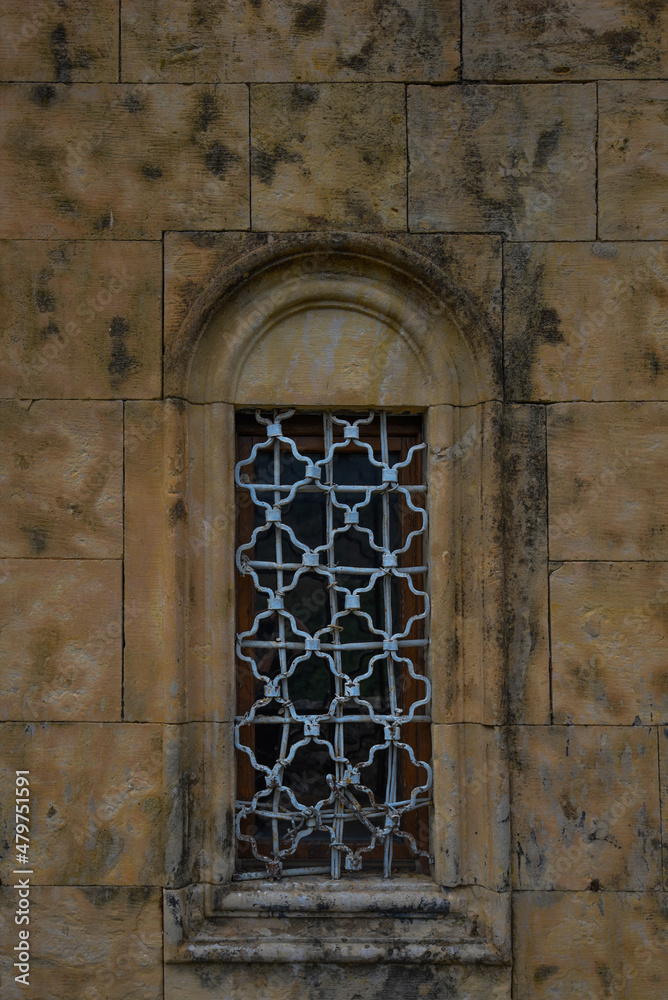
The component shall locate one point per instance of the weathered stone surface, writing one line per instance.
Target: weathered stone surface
(81, 320)
(60, 644)
(633, 148)
(194, 262)
(586, 321)
(590, 945)
(122, 161)
(48, 40)
(585, 807)
(328, 156)
(313, 982)
(606, 500)
(294, 41)
(98, 816)
(95, 943)
(610, 642)
(525, 544)
(563, 40)
(61, 472)
(515, 159)
(663, 765)
(470, 827)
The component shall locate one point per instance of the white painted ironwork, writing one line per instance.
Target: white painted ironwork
(352, 804)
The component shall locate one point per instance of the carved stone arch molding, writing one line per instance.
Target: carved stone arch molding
(321, 320)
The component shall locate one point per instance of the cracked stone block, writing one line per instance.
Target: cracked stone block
(633, 162)
(520, 40)
(328, 156)
(585, 808)
(606, 500)
(609, 641)
(321, 40)
(586, 321)
(60, 643)
(91, 943)
(50, 40)
(61, 473)
(81, 319)
(517, 159)
(590, 945)
(98, 815)
(120, 161)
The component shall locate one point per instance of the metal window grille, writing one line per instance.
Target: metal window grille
(338, 777)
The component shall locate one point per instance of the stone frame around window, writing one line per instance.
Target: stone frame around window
(420, 344)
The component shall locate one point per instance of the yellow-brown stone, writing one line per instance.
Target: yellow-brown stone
(328, 156)
(633, 146)
(81, 320)
(48, 40)
(590, 945)
(585, 807)
(61, 472)
(317, 41)
(114, 161)
(60, 644)
(609, 627)
(98, 815)
(586, 321)
(515, 159)
(606, 500)
(89, 943)
(570, 40)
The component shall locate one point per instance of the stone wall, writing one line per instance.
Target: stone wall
(535, 136)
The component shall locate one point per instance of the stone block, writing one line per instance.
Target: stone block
(117, 161)
(514, 159)
(328, 156)
(188, 41)
(586, 321)
(97, 812)
(590, 945)
(61, 479)
(525, 545)
(606, 497)
(81, 320)
(91, 943)
(632, 149)
(585, 808)
(48, 40)
(610, 643)
(569, 40)
(60, 644)
(383, 981)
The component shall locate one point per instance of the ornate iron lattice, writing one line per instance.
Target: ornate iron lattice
(333, 692)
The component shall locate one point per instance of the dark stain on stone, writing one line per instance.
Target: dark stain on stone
(547, 145)
(43, 95)
(44, 300)
(67, 207)
(139, 894)
(208, 113)
(256, 4)
(310, 18)
(122, 363)
(104, 222)
(264, 163)
(359, 63)
(204, 240)
(595, 885)
(178, 512)
(51, 811)
(37, 538)
(653, 362)
(152, 173)
(304, 95)
(543, 325)
(621, 45)
(61, 59)
(51, 330)
(219, 159)
(133, 103)
(99, 895)
(543, 972)
(605, 975)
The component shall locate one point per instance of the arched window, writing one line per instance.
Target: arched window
(340, 330)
